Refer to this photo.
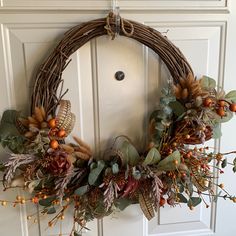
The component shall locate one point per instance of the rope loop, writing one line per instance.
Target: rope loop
(111, 19)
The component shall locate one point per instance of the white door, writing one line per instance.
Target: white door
(206, 33)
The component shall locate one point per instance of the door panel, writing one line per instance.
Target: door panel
(105, 107)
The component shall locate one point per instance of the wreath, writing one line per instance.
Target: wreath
(171, 169)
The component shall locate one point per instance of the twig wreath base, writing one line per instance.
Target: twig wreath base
(167, 171)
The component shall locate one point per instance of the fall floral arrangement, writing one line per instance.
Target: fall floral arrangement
(172, 169)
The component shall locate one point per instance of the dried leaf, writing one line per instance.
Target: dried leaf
(82, 190)
(146, 206)
(153, 157)
(95, 173)
(170, 163)
(207, 82)
(231, 96)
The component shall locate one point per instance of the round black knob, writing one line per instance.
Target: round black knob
(119, 75)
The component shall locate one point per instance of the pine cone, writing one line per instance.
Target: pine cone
(188, 88)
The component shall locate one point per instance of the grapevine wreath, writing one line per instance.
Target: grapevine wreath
(172, 169)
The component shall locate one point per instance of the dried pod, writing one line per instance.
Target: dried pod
(184, 94)
(38, 114)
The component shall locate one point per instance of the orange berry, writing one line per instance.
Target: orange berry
(221, 103)
(176, 162)
(232, 107)
(54, 144)
(52, 123)
(221, 112)
(187, 136)
(61, 133)
(35, 200)
(162, 201)
(221, 186)
(207, 102)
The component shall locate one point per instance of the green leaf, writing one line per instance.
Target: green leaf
(77, 233)
(51, 210)
(168, 163)
(207, 82)
(234, 169)
(217, 132)
(122, 203)
(94, 173)
(2, 167)
(177, 108)
(194, 201)
(231, 96)
(8, 124)
(182, 198)
(129, 153)
(229, 116)
(224, 163)
(47, 202)
(115, 168)
(82, 190)
(152, 157)
(136, 173)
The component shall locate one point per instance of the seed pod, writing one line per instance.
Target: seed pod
(32, 120)
(82, 156)
(43, 112)
(29, 134)
(184, 94)
(182, 82)
(38, 114)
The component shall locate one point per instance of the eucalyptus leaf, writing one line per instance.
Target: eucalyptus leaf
(182, 198)
(47, 202)
(169, 163)
(82, 190)
(77, 233)
(207, 82)
(122, 203)
(51, 210)
(217, 132)
(229, 116)
(194, 201)
(234, 169)
(153, 157)
(177, 108)
(8, 124)
(115, 168)
(231, 96)
(129, 153)
(95, 173)
(224, 163)
(136, 174)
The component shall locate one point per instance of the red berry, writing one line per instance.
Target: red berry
(162, 201)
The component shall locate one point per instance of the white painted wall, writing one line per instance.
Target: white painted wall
(206, 33)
